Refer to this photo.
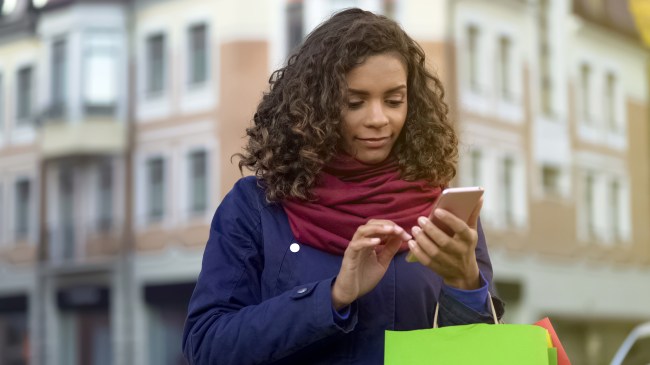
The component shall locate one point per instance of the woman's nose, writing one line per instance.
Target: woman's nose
(377, 117)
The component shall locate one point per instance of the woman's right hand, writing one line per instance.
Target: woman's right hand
(366, 260)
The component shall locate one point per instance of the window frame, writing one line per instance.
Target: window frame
(191, 61)
(586, 85)
(58, 72)
(509, 165)
(547, 103)
(3, 108)
(67, 240)
(554, 189)
(590, 205)
(613, 121)
(294, 25)
(3, 214)
(191, 182)
(88, 49)
(472, 49)
(506, 66)
(18, 226)
(154, 90)
(149, 190)
(24, 120)
(105, 223)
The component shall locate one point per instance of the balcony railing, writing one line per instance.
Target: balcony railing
(96, 135)
(98, 242)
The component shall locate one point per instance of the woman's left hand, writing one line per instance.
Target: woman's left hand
(452, 257)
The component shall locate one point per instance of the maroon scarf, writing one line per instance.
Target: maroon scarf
(350, 193)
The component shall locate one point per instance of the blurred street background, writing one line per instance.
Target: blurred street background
(118, 120)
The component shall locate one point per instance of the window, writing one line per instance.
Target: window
(585, 92)
(155, 189)
(615, 209)
(505, 67)
(476, 160)
(58, 86)
(100, 72)
(198, 54)
(165, 333)
(545, 71)
(22, 216)
(8, 6)
(610, 102)
(508, 190)
(295, 26)
(389, 8)
(551, 180)
(472, 57)
(590, 205)
(14, 336)
(24, 94)
(198, 182)
(2, 215)
(105, 197)
(155, 64)
(66, 211)
(93, 335)
(2, 104)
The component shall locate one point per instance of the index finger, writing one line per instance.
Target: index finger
(383, 228)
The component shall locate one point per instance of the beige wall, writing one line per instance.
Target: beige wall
(639, 163)
(244, 76)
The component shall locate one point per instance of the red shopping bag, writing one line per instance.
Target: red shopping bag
(562, 358)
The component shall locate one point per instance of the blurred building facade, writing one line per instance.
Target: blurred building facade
(118, 120)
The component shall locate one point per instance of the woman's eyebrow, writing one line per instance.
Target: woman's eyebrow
(389, 91)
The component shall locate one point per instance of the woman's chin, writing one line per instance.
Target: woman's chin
(372, 158)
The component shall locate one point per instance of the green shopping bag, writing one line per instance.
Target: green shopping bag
(484, 344)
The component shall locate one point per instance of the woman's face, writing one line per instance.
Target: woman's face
(376, 107)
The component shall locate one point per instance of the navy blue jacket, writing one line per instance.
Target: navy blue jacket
(259, 302)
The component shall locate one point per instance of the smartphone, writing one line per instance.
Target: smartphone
(458, 201)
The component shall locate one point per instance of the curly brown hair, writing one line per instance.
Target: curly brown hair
(296, 127)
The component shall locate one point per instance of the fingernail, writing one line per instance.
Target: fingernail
(423, 221)
(375, 240)
(439, 213)
(405, 235)
(411, 244)
(415, 230)
(388, 227)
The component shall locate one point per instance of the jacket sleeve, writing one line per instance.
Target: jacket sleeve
(454, 312)
(228, 322)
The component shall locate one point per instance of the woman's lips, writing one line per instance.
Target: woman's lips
(374, 142)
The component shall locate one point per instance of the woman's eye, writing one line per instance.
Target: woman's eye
(394, 103)
(354, 104)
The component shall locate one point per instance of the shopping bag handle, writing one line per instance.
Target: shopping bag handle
(494, 313)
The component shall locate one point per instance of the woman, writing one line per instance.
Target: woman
(305, 263)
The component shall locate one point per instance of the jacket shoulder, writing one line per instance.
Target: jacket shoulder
(249, 189)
